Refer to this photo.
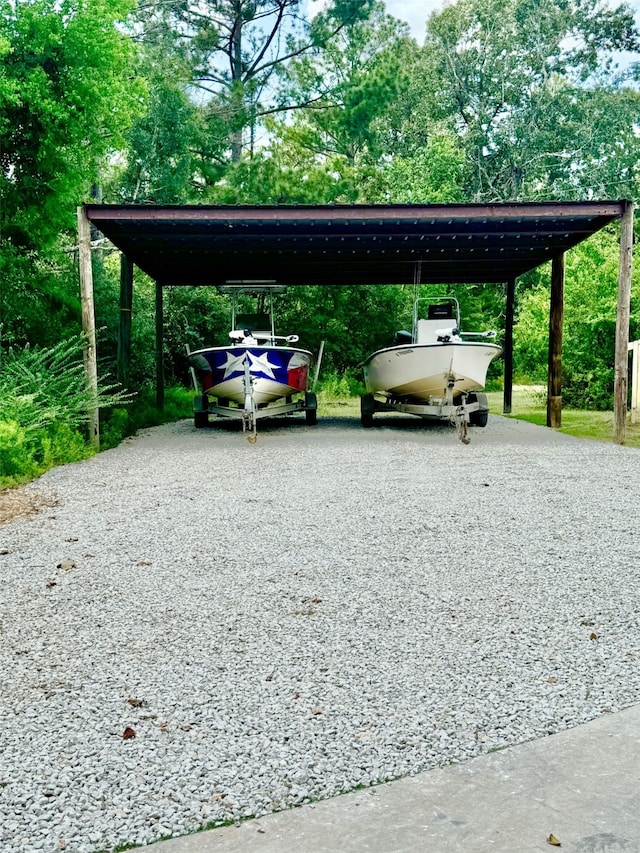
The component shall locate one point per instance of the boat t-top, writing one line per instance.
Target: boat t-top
(258, 374)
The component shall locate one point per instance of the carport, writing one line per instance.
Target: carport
(359, 244)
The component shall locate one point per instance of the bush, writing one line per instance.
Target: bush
(44, 407)
(118, 423)
(16, 451)
(335, 386)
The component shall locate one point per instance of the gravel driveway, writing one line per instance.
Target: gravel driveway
(275, 623)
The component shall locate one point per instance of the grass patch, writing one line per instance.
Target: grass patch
(529, 404)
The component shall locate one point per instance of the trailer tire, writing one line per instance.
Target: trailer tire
(480, 417)
(311, 408)
(367, 408)
(200, 419)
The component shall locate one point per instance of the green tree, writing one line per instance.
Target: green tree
(239, 51)
(352, 320)
(161, 162)
(339, 139)
(531, 90)
(67, 95)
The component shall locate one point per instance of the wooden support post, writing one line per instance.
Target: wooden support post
(556, 312)
(507, 398)
(124, 327)
(88, 324)
(634, 349)
(159, 349)
(620, 382)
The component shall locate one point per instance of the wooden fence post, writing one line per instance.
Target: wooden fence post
(88, 323)
(634, 349)
(622, 325)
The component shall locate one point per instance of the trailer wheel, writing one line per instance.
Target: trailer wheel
(311, 409)
(200, 419)
(479, 418)
(367, 408)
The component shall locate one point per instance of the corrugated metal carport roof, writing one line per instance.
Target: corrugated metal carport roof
(348, 244)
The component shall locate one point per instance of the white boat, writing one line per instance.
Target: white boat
(259, 373)
(434, 371)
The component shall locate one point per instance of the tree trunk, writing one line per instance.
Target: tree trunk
(237, 92)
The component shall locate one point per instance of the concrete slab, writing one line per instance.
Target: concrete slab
(582, 786)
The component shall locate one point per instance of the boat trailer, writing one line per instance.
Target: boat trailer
(471, 408)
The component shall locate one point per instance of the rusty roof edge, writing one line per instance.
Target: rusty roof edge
(111, 212)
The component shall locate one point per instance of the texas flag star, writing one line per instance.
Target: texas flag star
(261, 364)
(232, 364)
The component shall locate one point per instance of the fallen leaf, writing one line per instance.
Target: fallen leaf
(136, 703)
(593, 636)
(316, 600)
(144, 563)
(128, 733)
(553, 841)
(316, 711)
(552, 680)
(66, 565)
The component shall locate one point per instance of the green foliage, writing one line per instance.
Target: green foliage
(239, 53)
(530, 90)
(434, 174)
(166, 144)
(333, 386)
(119, 423)
(44, 405)
(589, 324)
(67, 94)
(16, 451)
(62, 444)
(45, 385)
(351, 320)
(39, 299)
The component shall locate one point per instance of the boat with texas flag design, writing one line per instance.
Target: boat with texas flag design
(259, 373)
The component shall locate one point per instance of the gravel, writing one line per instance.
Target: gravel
(281, 622)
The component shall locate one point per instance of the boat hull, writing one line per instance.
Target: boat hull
(276, 372)
(422, 372)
